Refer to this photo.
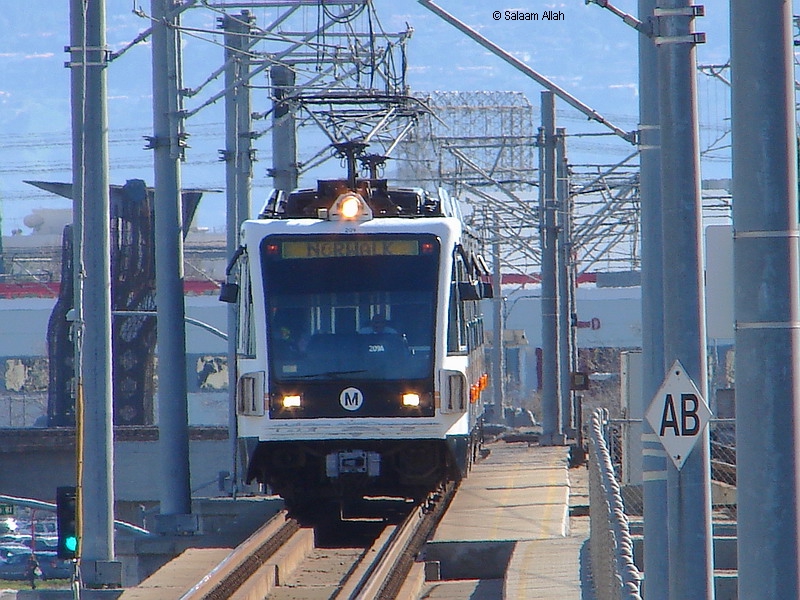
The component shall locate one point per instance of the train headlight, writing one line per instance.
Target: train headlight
(411, 399)
(292, 401)
(350, 207)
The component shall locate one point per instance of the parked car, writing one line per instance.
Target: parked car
(9, 548)
(15, 538)
(48, 527)
(45, 543)
(15, 566)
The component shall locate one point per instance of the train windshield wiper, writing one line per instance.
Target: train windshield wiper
(333, 374)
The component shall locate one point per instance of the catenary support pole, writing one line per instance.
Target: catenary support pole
(95, 391)
(78, 100)
(765, 250)
(689, 489)
(244, 147)
(498, 325)
(173, 410)
(564, 281)
(284, 131)
(552, 424)
(232, 221)
(237, 189)
(654, 458)
(244, 179)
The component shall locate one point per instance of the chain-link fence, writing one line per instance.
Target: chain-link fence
(623, 438)
(616, 496)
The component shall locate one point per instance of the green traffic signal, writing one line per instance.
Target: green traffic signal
(67, 521)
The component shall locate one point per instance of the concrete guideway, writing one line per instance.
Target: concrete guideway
(508, 532)
(516, 529)
(517, 493)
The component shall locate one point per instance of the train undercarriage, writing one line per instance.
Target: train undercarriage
(304, 473)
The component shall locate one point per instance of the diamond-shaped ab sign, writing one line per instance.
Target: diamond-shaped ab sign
(678, 414)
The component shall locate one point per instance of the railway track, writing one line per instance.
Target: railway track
(356, 560)
(386, 574)
(237, 573)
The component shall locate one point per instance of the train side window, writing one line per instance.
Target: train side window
(452, 320)
(245, 340)
(250, 394)
(457, 318)
(454, 392)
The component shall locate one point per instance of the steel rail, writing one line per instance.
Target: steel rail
(241, 564)
(388, 571)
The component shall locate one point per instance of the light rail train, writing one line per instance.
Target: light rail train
(360, 360)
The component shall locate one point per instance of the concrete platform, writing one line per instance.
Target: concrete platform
(509, 528)
(183, 573)
(518, 492)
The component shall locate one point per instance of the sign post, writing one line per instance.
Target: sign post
(678, 414)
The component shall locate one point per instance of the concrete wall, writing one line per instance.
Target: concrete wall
(36, 461)
(607, 318)
(24, 364)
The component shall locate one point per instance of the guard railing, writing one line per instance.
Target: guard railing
(614, 573)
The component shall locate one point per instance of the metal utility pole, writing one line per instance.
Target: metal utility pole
(765, 252)
(284, 131)
(230, 154)
(244, 123)
(565, 290)
(232, 221)
(78, 100)
(93, 271)
(691, 573)
(552, 424)
(498, 347)
(238, 174)
(173, 410)
(654, 458)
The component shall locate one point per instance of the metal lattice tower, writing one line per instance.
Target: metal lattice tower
(495, 130)
(483, 146)
(606, 217)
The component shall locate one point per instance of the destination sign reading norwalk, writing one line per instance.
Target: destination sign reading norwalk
(338, 249)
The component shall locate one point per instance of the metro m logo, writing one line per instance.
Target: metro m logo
(351, 398)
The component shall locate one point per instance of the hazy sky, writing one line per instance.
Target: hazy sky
(591, 53)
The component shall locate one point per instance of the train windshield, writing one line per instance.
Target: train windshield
(355, 307)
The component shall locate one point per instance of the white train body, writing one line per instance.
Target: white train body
(360, 359)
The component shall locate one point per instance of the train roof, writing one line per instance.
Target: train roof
(383, 201)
